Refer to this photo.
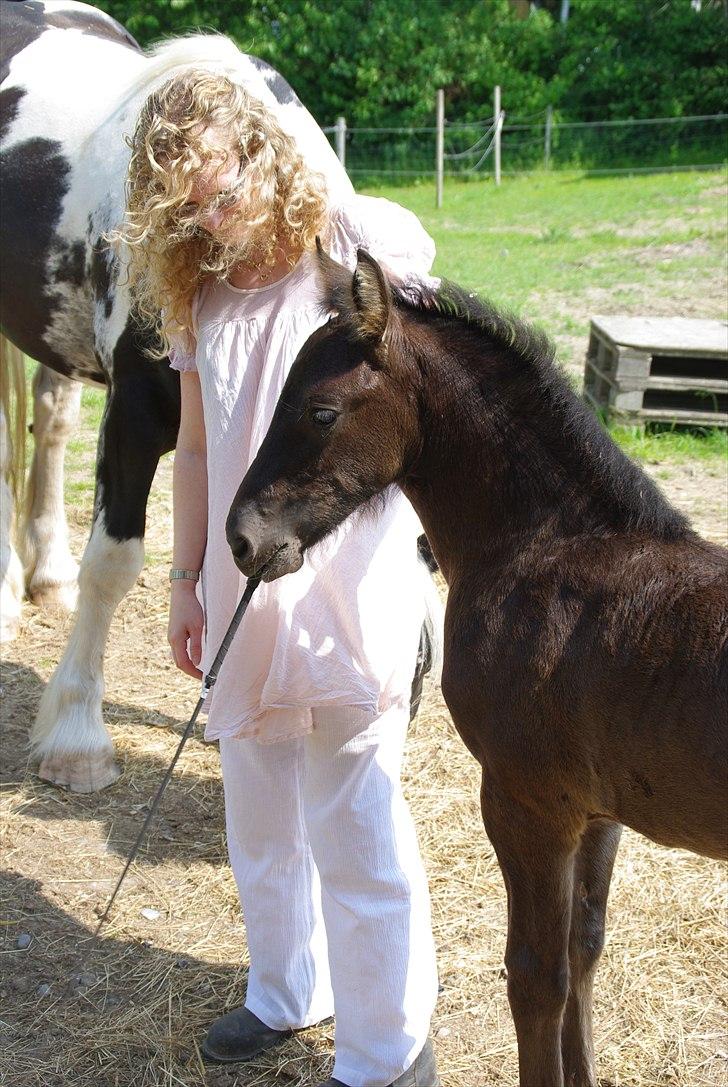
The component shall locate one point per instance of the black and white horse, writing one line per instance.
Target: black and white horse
(72, 82)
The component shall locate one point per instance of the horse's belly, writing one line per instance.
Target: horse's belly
(671, 783)
(579, 736)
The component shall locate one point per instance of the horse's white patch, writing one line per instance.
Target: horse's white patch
(72, 83)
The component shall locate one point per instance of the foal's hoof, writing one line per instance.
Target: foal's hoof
(81, 773)
(60, 597)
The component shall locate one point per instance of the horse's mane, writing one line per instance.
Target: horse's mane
(578, 436)
(190, 50)
(451, 302)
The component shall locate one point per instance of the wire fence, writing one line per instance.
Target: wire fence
(533, 143)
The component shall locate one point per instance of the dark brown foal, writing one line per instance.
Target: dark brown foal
(586, 665)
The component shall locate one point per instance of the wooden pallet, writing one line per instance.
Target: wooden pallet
(658, 369)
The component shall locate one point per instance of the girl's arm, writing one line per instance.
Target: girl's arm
(189, 499)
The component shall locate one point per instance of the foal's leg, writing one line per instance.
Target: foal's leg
(537, 860)
(50, 569)
(69, 736)
(592, 875)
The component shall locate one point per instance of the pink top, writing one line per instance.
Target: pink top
(344, 629)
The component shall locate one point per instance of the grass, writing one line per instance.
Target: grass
(560, 248)
(564, 233)
(674, 445)
(93, 402)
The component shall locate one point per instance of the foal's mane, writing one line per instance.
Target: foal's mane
(453, 303)
(572, 431)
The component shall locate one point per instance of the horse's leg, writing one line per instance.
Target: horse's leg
(50, 570)
(11, 570)
(12, 482)
(69, 736)
(592, 875)
(537, 861)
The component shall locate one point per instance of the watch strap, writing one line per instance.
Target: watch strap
(175, 574)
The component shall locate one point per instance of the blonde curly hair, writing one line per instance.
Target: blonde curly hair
(276, 198)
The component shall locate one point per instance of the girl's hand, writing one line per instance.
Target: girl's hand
(184, 633)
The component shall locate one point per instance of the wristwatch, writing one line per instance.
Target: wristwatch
(183, 575)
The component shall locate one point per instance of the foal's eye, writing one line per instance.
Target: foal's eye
(324, 417)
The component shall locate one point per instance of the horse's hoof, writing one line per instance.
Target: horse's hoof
(81, 773)
(60, 597)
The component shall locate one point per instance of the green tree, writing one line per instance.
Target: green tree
(375, 61)
(641, 58)
(379, 62)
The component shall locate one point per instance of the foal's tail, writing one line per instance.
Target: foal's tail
(434, 619)
(13, 408)
(429, 654)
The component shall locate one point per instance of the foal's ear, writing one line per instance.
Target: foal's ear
(336, 281)
(363, 298)
(371, 296)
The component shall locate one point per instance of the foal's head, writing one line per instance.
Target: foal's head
(344, 428)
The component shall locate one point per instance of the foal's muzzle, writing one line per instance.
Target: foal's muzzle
(259, 548)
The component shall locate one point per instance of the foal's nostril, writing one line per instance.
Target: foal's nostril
(240, 543)
(241, 548)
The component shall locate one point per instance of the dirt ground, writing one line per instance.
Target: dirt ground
(129, 1009)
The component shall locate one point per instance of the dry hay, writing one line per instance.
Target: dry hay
(129, 1010)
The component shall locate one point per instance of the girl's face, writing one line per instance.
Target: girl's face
(214, 196)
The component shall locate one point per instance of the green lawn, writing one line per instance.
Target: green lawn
(559, 248)
(564, 233)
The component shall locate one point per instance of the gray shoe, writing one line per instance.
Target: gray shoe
(239, 1036)
(422, 1073)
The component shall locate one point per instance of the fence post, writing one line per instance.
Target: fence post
(496, 122)
(341, 140)
(547, 137)
(440, 146)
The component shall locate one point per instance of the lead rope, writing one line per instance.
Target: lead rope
(207, 684)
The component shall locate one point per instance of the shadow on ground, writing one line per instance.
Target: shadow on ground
(115, 1011)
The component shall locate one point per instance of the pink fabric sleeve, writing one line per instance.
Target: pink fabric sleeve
(184, 361)
(182, 355)
(389, 233)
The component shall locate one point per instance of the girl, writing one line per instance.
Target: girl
(312, 705)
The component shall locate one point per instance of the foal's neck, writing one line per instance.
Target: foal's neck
(510, 458)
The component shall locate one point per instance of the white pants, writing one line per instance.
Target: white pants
(334, 894)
